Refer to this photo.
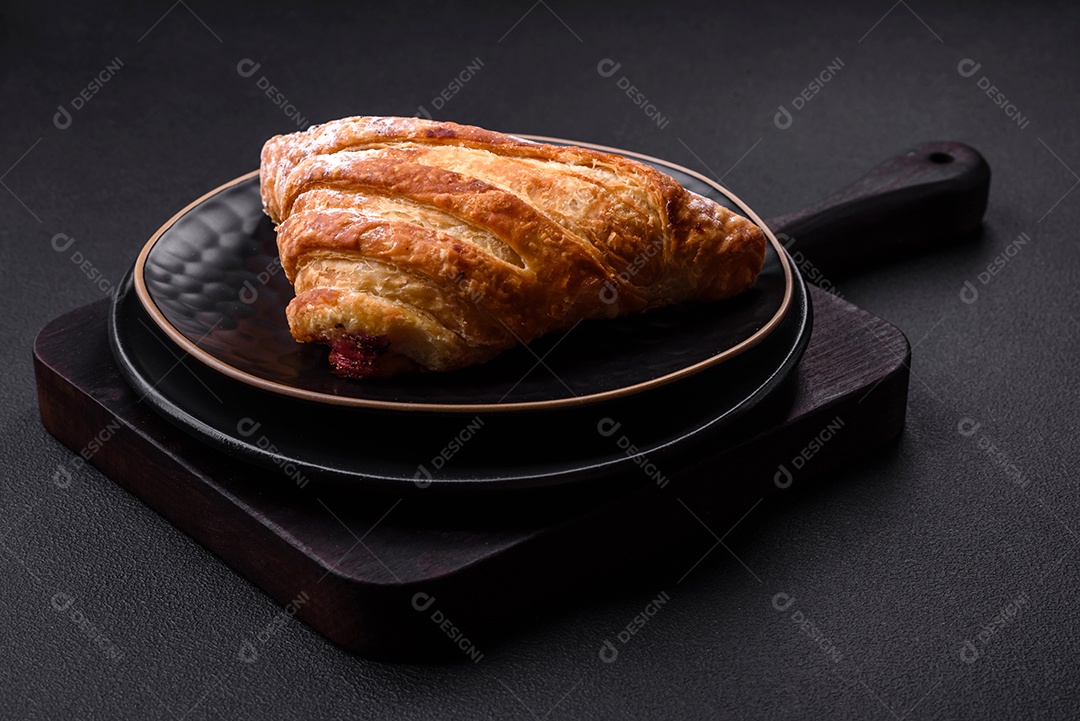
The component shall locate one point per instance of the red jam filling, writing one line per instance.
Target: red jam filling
(354, 355)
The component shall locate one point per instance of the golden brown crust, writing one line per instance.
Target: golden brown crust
(414, 243)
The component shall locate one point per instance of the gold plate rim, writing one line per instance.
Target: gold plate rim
(204, 357)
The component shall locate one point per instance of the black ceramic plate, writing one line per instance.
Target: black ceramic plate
(400, 451)
(211, 280)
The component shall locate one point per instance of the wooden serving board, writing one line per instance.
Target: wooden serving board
(404, 578)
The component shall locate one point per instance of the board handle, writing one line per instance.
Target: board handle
(933, 194)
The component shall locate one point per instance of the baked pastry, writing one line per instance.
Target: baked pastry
(414, 244)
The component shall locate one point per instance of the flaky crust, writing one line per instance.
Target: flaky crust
(415, 244)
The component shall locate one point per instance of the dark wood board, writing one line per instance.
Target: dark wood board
(352, 564)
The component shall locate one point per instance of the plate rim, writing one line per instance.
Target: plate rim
(185, 344)
(195, 425)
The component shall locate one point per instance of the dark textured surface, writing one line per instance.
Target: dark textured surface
(215, 276)
(897, 562)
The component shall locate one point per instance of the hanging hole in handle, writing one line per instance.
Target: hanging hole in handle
(941, 158)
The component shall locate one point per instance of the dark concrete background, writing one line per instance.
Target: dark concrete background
(898, 561)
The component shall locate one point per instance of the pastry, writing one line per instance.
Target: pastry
(421, 245)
